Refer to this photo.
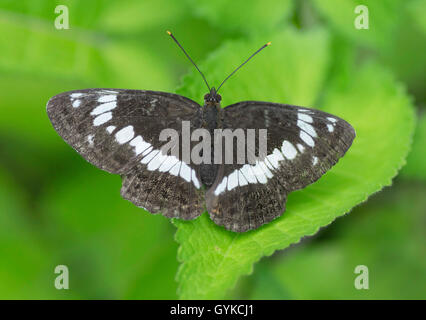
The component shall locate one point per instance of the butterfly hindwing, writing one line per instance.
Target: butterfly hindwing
(118, 131)
(302, 144)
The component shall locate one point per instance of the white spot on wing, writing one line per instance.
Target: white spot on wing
(103, 118)
(110, 129)
(278, 154)
(288, 150)
(307, 128)
(90, 139)
(157, 161)
(185, 172)
(233, 180)
(175, 169)
(242, 181)
(76, 103)
(331, 119)
(168, 164)
(248, 173)
(149, 156)
(76, 95)
(265, 169)
(125, 135)
(107, 98)
(268, 164)
(108, 106)
(139, 144)
(300, 147)
(258, 172)
(194, 179)
(221, 187)
(305, 110)
(314, 160)
(304, 117)
(147, 151)
(330, 127)
(307, 138)
(274, 158)
(153, 102)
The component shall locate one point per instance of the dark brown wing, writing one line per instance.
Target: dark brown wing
(302, 144)
(118, 131)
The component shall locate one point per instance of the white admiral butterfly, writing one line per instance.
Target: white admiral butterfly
(118, 131)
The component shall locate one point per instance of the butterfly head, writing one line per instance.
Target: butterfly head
(212, 97)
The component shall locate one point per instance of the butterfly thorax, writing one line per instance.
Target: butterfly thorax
(212, 114)
(212, 111)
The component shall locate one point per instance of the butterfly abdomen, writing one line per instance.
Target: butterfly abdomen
(211, 121)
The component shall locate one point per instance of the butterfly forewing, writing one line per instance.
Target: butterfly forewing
(302, 144)
(118, 131)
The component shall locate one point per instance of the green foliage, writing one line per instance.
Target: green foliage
(416, 164)
(396, 35)
(241, 15)
(85, 55)
(324, 269)
(417, 10)
(43, 61)
(26, 269)
(57, 209)
(116, 241)
(384, 19)
(212, 258)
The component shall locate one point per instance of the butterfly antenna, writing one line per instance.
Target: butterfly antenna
(260, 49)
(187, 55)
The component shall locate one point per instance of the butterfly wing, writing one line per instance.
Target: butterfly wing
(118, 131)
(302, 144)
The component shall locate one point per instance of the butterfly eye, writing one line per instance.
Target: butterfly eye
(219, 98)
(206, 96)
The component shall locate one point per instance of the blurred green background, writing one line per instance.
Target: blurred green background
(56, 209)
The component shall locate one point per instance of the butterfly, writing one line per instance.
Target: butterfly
(118, 130)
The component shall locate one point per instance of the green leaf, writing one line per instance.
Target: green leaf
(91, 57)
(394, 37)
(27, 268)
(82, 14)
(416, 164)
(241, 15)
(265, 285)
(293, 71)
(385, 235)
(417, 10)
(383, 16)
(42, 61)
(129, 16)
